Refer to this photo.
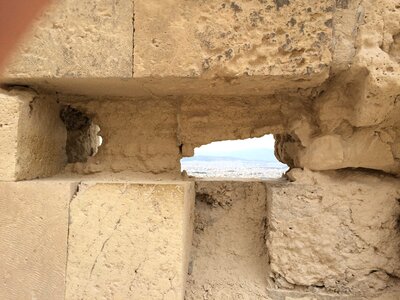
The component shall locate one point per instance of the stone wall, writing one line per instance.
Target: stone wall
(332, 235)
(160, 78)
(85, 240)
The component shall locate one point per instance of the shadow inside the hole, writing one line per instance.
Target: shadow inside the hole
(83, 138)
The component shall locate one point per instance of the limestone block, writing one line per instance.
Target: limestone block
(78, 38)
(129, 241)
(9, 116)
(139, 136)
(33, 239)
(337, 231)
(228, 256)
(32, 136)
(365, 148)
(376, 62)
(287, 41)
(354, 120)
(207, 119)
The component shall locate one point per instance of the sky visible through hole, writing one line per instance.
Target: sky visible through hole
(249, 158)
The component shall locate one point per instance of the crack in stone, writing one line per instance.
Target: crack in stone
(103, 246)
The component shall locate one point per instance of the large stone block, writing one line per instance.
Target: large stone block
(286, 41)
(336, 231)
(129, 241)
(33, 239)
(75, 38)
(32, 136)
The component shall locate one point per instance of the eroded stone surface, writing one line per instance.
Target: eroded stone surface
(337, 231)
(354, 120)
(285, 41)
(129, 240)
(152, 135)
(32, 136)
(228, 256)
(78, 39)
(142, 138)
(33, 239)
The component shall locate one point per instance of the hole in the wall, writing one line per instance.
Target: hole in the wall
(249, 158)
(83, 139)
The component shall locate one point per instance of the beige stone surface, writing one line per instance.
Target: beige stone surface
(163, 77)
(78, 38)
(203, 120)
(129, 241)
(138, 135)
(337, 231)
(353, 121)
(228, 256)
(177, 47)
(9, 116)
(287, 41)
(152, 134)
(32, 136)
(33, 239)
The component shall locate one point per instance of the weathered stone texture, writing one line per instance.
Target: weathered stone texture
(152, 135)
(78, 38)
(286, 41)
(323, 76)
(353, 121)
(228, 256)
(138, 135)
(32, 136)
(9, 116)
(129, 240)
(203, 120)
(33, 239)
(336, 231)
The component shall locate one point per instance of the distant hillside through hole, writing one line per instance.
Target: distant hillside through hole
(249, 158)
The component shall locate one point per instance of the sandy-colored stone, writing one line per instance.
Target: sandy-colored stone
(338, 231)
(228, 256)
(152, 135)
(288, 42)
(32, 136)
(163, 77)
(79, 39)
(354, 120)
(33, 239)
(9, 116)
(143, 138)
(129, 240)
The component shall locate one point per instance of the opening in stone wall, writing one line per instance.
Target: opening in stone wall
(83, 139)
(249, 158)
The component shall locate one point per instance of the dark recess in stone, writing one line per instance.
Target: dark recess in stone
(342, 3)
(236, 8)
(74, 119)
(329, 23)
(82, 139)
(280, 3)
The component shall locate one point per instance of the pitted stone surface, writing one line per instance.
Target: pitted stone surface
(285, 40)
(228, 256)
(337, 231)
(353, 121)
